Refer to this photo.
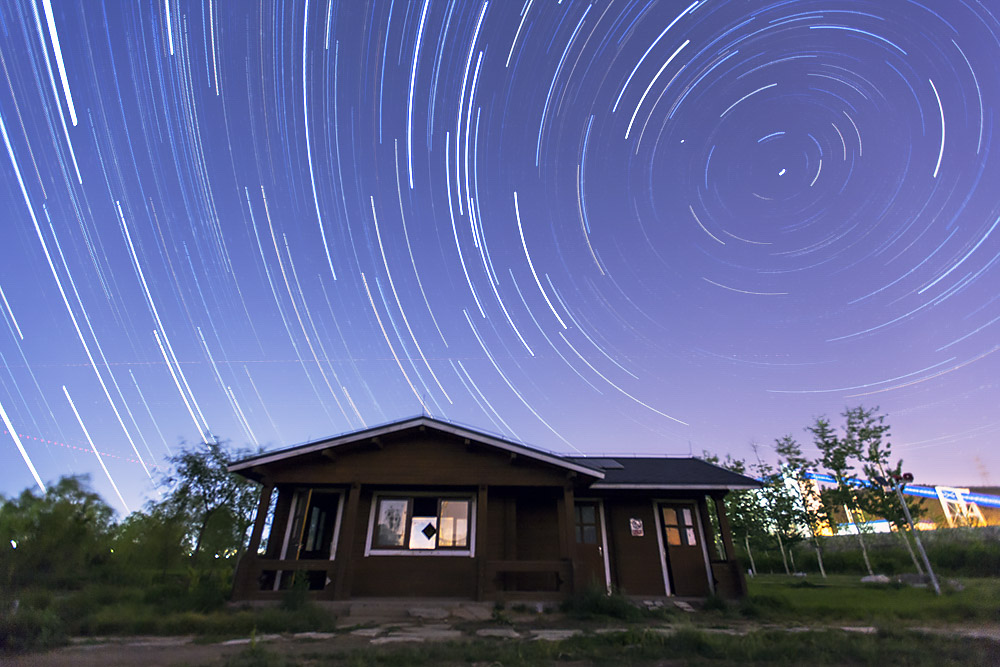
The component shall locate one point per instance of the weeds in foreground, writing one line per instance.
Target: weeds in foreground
(596, 603)
(688, 646)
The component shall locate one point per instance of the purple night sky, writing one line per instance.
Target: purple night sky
(634, 227)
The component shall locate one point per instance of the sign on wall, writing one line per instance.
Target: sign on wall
(636, 527)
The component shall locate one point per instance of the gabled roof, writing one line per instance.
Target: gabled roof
(246, 465)
(647, 472)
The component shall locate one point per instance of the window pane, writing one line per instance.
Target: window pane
(425, 506)
(691, 539)
(670, 516)
(315, 516)
(423, 532)
(391, 528)
(590, 534)
(454, 524)
(673, 536)
(687, 517)
(587, 514)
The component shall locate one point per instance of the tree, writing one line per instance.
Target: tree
(837, 455)
(150, 542)
(869, 435)
(808, 512)
(743, 508)
(217, 505)
(59, 538)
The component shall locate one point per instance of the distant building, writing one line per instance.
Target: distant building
(425, 508)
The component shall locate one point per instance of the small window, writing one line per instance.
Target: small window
(391, 528)
(586, 523)
(679, 527)
(421, 523)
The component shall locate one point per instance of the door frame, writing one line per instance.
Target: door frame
(699, 526)
(604, 535)
(306, 492)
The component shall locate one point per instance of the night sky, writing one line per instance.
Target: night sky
(629, 227)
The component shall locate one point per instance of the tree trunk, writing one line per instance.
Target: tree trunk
(819, 556)
(861, 540)
(753, 566)
(906, 540)
(791, 557)
(784, 558)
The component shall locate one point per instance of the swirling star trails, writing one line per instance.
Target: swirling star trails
(94, 447)
(941, 108)
(503, 376)
(20, 447)
(520, 230)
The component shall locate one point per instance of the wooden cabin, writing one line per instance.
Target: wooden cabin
(425, 508)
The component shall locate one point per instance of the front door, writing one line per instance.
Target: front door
(312, 529)
(682, 541)
(590, 546)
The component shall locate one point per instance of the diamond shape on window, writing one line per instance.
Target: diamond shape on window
(429, 531)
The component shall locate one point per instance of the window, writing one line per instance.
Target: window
(421, 524)
(586, 523)
(678, 524)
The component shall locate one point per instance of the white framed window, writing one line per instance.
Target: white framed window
(421, 524)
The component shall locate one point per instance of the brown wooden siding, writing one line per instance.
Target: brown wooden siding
(635, 561)
(424, 460)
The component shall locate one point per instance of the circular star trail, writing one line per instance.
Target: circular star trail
(603, 227)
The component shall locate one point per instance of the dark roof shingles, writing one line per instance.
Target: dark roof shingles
(662, 471)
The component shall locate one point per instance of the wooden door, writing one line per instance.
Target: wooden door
(589, 545)
(312, 531)
(682, 541)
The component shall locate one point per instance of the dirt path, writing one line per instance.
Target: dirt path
(172, 651)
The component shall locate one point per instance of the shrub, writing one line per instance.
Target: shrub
(595, 602)
(25, 629)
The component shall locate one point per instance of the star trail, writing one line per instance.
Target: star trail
(601, 227)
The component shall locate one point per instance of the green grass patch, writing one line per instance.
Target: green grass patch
(688, 647)
(844, 598)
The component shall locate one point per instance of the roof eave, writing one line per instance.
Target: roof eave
(674, 487)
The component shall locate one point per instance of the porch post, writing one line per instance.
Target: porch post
(567, 536)
(482, 529)
(343, 562)
(727, 536)
(727, 542)
(258, 524)
(243, 584)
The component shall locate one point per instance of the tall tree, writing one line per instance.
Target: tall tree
(780, 509)
(869, 435)
(838, 456)
(217, 504)
(58, 538)
(808, 512)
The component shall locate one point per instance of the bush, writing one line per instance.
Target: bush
(25, 629)
(595, 602)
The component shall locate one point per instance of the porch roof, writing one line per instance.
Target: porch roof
(657, 472)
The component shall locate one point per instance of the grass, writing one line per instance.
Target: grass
(645, 647)
(45, 619)
(842, 598)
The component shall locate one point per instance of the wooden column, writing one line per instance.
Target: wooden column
(567, 534)
(727, 536)
(258, 525)
(727, 542)
(482, 531)
(343, 562)
(244, 583)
